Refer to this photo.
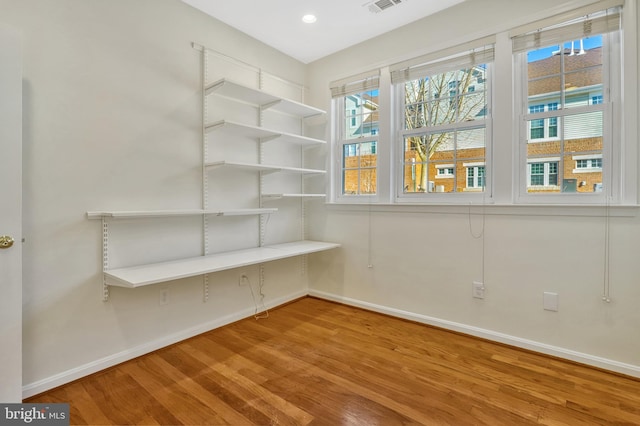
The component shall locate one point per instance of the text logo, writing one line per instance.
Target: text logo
(34, 414)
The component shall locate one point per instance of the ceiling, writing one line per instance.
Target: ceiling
(340, 23)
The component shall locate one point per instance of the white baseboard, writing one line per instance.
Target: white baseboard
(117, 358)
(595, 361)
(111, 360)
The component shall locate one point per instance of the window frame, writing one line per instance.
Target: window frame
(612, 142)
(340, 115)
(398, 110)
(505, 174)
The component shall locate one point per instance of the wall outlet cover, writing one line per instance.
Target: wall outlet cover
(550, 301)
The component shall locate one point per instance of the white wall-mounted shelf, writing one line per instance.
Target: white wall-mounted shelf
(138, 276)
(133, 214)
(261, 133)
(263, 167)
(244, 129)
(232, 136)
(268, 197)
(260, 98)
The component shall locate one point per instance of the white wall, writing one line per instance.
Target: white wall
(420, 262)
(11, 215)
(112, 119)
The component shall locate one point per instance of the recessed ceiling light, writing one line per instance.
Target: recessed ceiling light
(309, 18)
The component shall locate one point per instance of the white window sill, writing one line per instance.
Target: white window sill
(585, 170)
(593, 210)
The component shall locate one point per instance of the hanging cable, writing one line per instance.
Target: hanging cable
(606, 283)
(606, 279)
(264, 313)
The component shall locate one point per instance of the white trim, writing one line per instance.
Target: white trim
(568, 354)
(474, 164)
(543, 159)
(585, 170)
(92, 367)
(448, 207)
(586, 157)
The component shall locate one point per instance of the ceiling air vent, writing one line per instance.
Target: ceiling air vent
(380, 5)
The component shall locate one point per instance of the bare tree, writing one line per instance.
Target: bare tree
(440, 100)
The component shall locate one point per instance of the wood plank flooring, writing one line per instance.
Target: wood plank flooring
(314, 362)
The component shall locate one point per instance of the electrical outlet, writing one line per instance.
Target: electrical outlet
(478, 290)
(164, 296)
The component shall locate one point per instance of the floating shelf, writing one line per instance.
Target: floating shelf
(172, 213)
(245, 129)
(138, 276)
(263, 167)
(261, 98)
(279, 196)
(266, 135)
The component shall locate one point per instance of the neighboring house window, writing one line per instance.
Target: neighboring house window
(543, 128)
(589, 164)
(565, 70)
(356, 107)
(444, 171)
(443, 123)
(475, 177)
(542, 174)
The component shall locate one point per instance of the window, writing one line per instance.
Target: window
(443, 119)
(475, 177)
(595, 163)
(357, 111)
(566, 73)
(565, 133)
(444, 171)
(542, 174)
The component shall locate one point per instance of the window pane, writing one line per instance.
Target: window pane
(368, 181)
(437, 162)
(471, 175)
(583, 132)
(413, 175)
(350, 182)
(359, 161)
(446, 98)
(553, 127)
(548, 86)
(537, 129)
(351, 156)
(368, 157)
(553, 173)
(580, 59)
(361, 115)
(472, 106)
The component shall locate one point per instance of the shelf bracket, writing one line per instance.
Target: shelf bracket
(270, 138)
(205, 288)
(105, 259)
(270, 104)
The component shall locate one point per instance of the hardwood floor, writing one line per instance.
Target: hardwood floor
(319, 363)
